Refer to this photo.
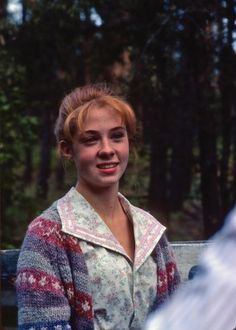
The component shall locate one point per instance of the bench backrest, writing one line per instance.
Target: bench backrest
(187, 254)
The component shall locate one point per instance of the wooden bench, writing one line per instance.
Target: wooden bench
(187, 254)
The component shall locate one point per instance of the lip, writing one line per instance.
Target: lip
(105, 166)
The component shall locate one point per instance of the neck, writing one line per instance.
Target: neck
(104, 200)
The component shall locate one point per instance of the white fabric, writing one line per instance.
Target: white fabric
(209, 300)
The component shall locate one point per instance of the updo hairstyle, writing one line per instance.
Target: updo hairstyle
(76, 106)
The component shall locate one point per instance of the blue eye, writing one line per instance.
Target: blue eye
(89, 140)
(118, 136)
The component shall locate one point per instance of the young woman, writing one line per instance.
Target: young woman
(92, 260)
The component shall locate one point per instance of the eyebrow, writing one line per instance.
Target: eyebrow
(111, 130)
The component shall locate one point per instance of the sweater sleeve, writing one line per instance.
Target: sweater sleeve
(172, 273)
(41, 293)
(168, 278)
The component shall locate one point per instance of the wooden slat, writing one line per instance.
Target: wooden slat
(187, 255)
(8, 295)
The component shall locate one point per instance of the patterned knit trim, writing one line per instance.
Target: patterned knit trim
(35, 280)
(58, 325)
(51, 233)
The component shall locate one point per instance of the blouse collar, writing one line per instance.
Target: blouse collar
(80, 220)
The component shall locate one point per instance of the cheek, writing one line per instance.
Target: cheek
(125, 153)
(84, 157)
(127, 149)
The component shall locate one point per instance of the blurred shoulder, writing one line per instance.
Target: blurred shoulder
(49, 218)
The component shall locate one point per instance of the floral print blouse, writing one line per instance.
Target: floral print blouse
(123, 292)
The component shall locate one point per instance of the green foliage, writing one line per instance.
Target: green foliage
(17, 134)
(178, 75)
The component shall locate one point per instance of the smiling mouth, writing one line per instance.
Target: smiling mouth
(105, 166)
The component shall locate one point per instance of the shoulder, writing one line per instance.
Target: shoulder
(44, 236)
(143, 213)
(165, 249)
(51, 213)
(138, 212)
(49, 218)
(46, 229)
(148, 224)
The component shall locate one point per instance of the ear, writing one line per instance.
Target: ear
(65, 149)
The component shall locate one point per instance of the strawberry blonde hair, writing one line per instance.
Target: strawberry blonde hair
(76, 106)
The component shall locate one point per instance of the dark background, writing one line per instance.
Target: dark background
(174, 61)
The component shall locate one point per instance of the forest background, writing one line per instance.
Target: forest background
(174, 61)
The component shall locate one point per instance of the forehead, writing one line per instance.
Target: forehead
(102, 118)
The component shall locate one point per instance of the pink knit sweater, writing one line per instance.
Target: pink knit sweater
(53, 282)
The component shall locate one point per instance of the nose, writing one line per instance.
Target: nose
(106, 149)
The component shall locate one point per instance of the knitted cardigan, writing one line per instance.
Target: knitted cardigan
(53, 282)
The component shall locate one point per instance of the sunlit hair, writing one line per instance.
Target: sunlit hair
(76, 106)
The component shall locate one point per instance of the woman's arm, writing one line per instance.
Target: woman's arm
(168, 278)
(172, 273)
(42, 295)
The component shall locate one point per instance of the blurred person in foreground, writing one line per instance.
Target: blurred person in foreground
(208, 302)
(92, 260)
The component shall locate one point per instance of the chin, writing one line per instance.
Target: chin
(107, 184)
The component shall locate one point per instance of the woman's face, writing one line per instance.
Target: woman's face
(101, 151)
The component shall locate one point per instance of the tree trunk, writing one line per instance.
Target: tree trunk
(28, 166)
(158, 162)
(45, 155)
(182, 144)
(60, 175)
(208, 164)
(3, 8)
(227, 89)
